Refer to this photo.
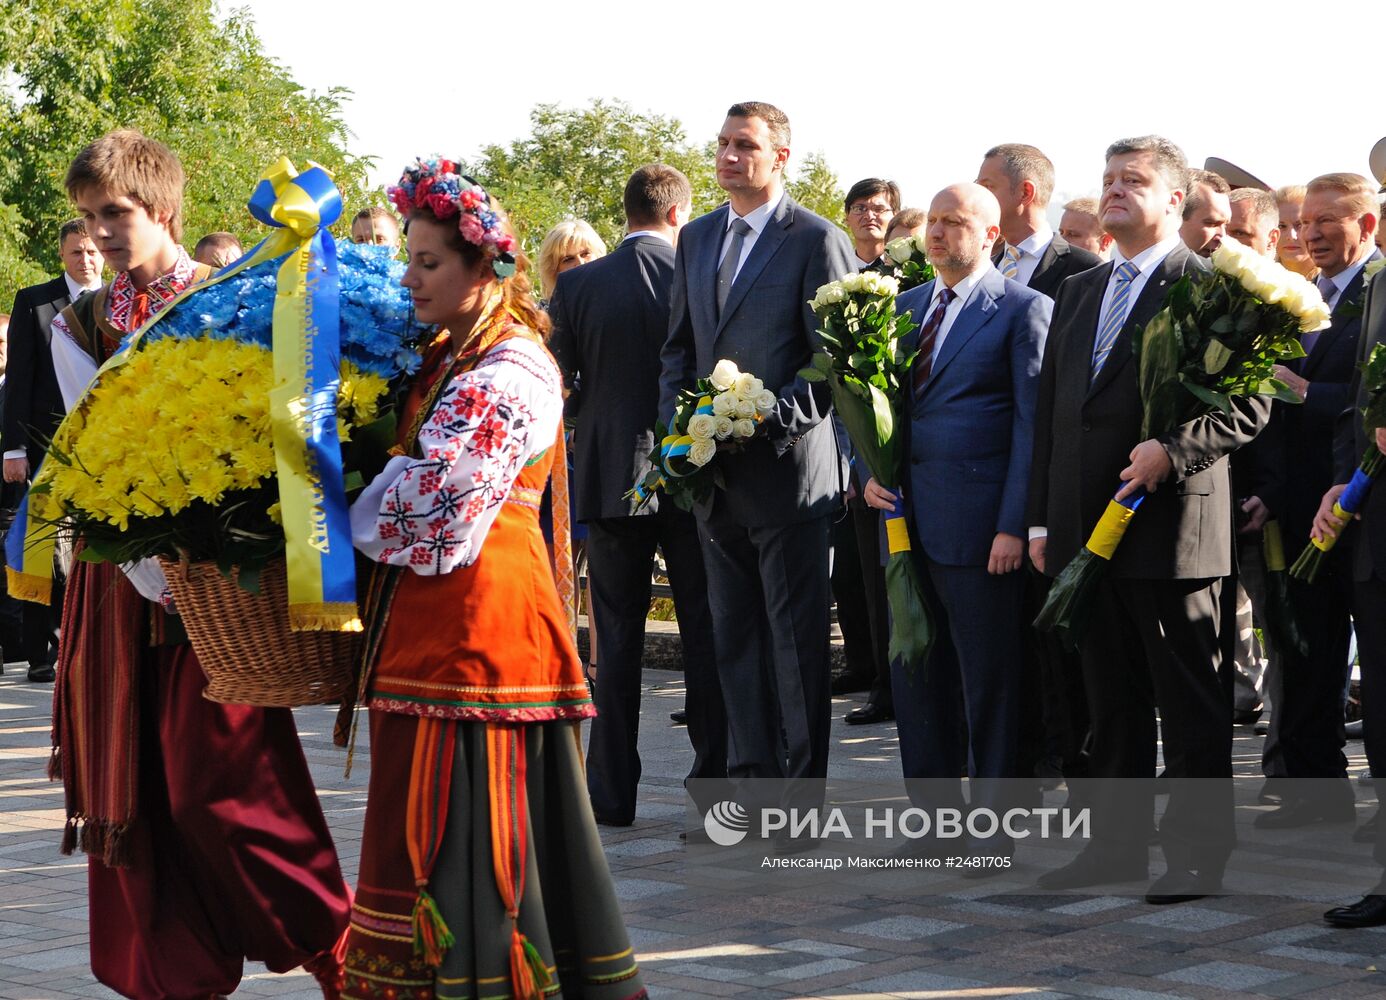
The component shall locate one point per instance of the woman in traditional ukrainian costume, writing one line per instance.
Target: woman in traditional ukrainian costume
(482, 874)
(206, 843)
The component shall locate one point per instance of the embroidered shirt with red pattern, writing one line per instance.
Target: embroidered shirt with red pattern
(432, 513)
(127, 307)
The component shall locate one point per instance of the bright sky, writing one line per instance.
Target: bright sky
(1251, 84)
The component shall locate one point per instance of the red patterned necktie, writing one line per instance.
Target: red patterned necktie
(924, 362)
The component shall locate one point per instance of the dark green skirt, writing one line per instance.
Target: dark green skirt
(568, 910)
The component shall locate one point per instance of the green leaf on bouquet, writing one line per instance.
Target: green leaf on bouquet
(1217, 355)
(1223, 324)
(823, 362)
(1216, 399)
(1276, 389)
(885, 416)
(813, 374)
(831, 339)
(1292, 349)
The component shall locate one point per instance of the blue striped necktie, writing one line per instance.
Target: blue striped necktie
(1010, 263)
(1115, 319)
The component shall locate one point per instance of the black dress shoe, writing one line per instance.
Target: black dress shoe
(1246, 716)
(1179, 885)
(1369, 911)
(679, 718)
(1305, 813)
(611, 820)
(868, 713)
(850, 684)
(1086, 869)
(42, 673)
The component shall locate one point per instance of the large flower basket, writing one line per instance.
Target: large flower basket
(245, 645)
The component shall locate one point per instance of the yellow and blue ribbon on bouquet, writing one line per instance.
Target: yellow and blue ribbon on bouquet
(303, 405)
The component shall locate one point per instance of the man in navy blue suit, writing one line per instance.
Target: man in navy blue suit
(981, 340)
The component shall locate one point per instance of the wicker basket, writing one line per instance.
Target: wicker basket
(244, 643)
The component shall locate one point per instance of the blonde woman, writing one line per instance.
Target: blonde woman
(568, 244)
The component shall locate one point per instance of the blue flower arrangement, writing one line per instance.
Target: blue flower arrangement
(378, 331)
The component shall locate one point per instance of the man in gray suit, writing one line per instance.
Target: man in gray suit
(742, 281)
(610, 318)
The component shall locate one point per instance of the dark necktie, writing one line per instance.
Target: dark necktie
(1327, 289)
(726, 273)
(928, 333)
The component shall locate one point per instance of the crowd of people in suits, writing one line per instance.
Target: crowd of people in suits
(1024, 416)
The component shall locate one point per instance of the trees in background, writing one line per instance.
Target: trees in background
(173, 69)
(574, 163)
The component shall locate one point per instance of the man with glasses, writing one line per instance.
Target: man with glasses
(870, 205)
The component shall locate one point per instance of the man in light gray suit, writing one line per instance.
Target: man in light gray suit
(742, 281)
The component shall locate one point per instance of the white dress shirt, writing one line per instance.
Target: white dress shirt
(1344, 278)
(757, 219)
(964, 291)
(647, 232)
(1031, 251)
(1148, 261)
(74, 290)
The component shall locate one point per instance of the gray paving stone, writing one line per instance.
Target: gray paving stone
(903, 928)
(1191, 919)
(1226, 975)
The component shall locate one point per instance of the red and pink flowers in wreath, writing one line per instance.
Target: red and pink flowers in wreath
(438, 186)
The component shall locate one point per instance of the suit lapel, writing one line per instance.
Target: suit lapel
(1151, 301)
(702, 262)
(767, 243)
(1349, 305)
(979, 308)
(1047, 261)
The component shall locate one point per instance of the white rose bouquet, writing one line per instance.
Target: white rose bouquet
(721, 412)
(1219, 335)
(909, 262)
(868, 372)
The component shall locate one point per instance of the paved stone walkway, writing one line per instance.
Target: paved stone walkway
(796, 943)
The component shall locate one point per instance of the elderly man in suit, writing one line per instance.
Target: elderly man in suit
(743, 278)
(1368, 558)
(33, 405)
(1153, 637)
(980, 340)
(610, 318)
(1337, 224)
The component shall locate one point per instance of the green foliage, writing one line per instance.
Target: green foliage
(172, 69)
(814, 185)
(575, 162)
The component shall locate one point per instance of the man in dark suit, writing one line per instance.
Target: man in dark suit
(1337, 223)
(33, 405)
(980, 339)
(1153, 634)
(742, 282)
(1030, 252)
(1368, 541)
(610, 319)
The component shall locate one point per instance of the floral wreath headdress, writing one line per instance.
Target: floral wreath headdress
(437, 185)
